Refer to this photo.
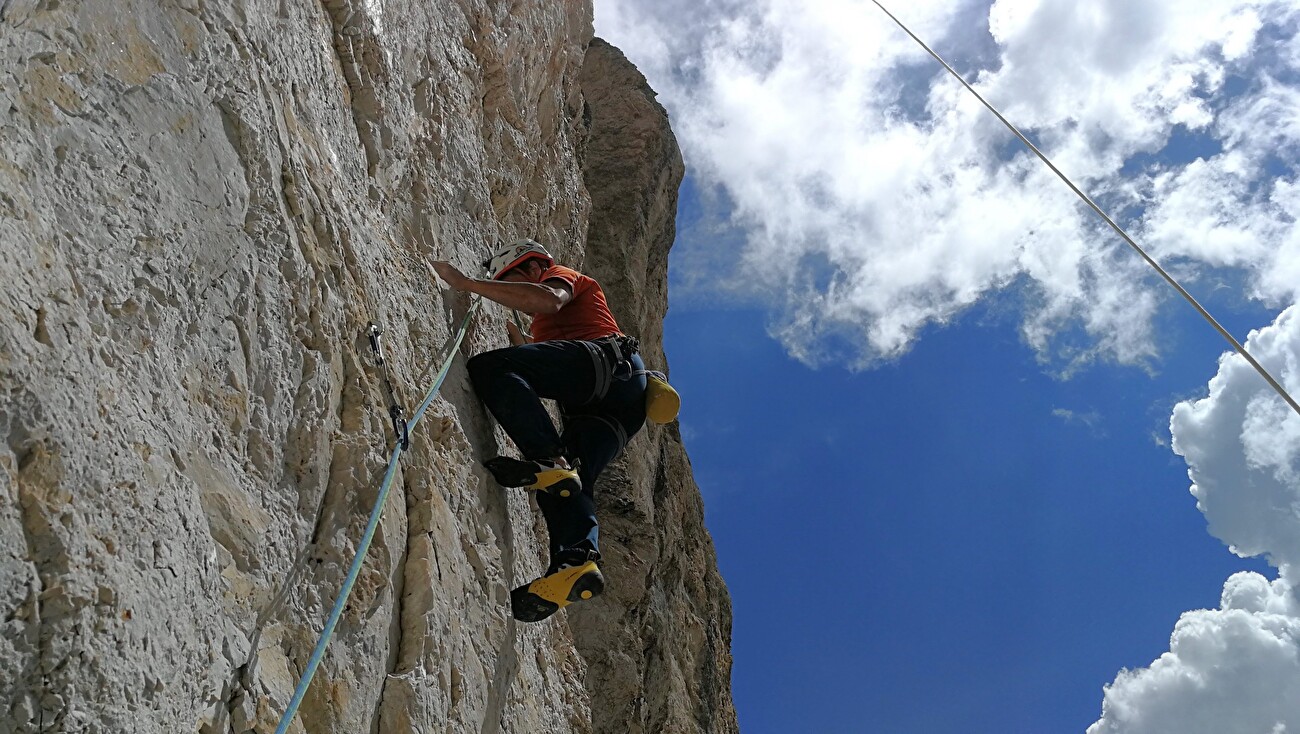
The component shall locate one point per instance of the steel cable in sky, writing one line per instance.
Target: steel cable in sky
(1101, 213)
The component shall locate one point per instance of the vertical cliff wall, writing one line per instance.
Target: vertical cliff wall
(658, 644)
(202, 204)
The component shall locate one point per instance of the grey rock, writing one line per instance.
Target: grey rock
(202, 205)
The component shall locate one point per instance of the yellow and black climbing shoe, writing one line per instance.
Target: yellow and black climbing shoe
(556, 590)
(542, 476)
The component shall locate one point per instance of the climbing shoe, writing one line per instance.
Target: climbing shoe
(570, 582)
(542, 476)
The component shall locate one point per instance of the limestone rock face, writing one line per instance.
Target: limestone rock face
(202, 206)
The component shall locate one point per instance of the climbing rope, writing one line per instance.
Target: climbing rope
(1101, 213)
(402, 430)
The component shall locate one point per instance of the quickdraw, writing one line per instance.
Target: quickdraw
(403, 430)
(401, 427)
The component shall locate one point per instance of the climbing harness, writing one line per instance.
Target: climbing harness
(611, 358)
(1101, 213)
(603, 369)
(402, 431)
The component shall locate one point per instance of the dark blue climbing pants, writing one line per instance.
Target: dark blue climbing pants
(511, 382)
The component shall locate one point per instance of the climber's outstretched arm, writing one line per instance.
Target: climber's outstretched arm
(548, 297)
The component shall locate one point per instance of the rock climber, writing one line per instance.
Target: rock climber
(577, 356)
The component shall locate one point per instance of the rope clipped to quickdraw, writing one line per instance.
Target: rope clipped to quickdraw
(402, 431)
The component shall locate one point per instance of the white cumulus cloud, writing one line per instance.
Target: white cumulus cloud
(1242, 447)
(863, 195)
(874, 196)
(1235, 668)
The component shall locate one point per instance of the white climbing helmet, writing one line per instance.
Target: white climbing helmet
(512, 256)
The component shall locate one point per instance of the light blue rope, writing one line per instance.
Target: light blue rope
(373, 524)
(446, 363)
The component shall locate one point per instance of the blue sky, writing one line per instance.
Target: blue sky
(932, 545)
(969, 465)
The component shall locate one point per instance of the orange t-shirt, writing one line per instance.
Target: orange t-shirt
(586, 316)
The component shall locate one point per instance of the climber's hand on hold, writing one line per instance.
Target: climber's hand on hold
(450, 275)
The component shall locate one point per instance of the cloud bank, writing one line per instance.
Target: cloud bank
(872, 196)
(1236, 668)
(1228, 671)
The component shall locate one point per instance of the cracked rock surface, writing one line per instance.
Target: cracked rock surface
(202, 206)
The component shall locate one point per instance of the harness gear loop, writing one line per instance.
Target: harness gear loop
(611, 357)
